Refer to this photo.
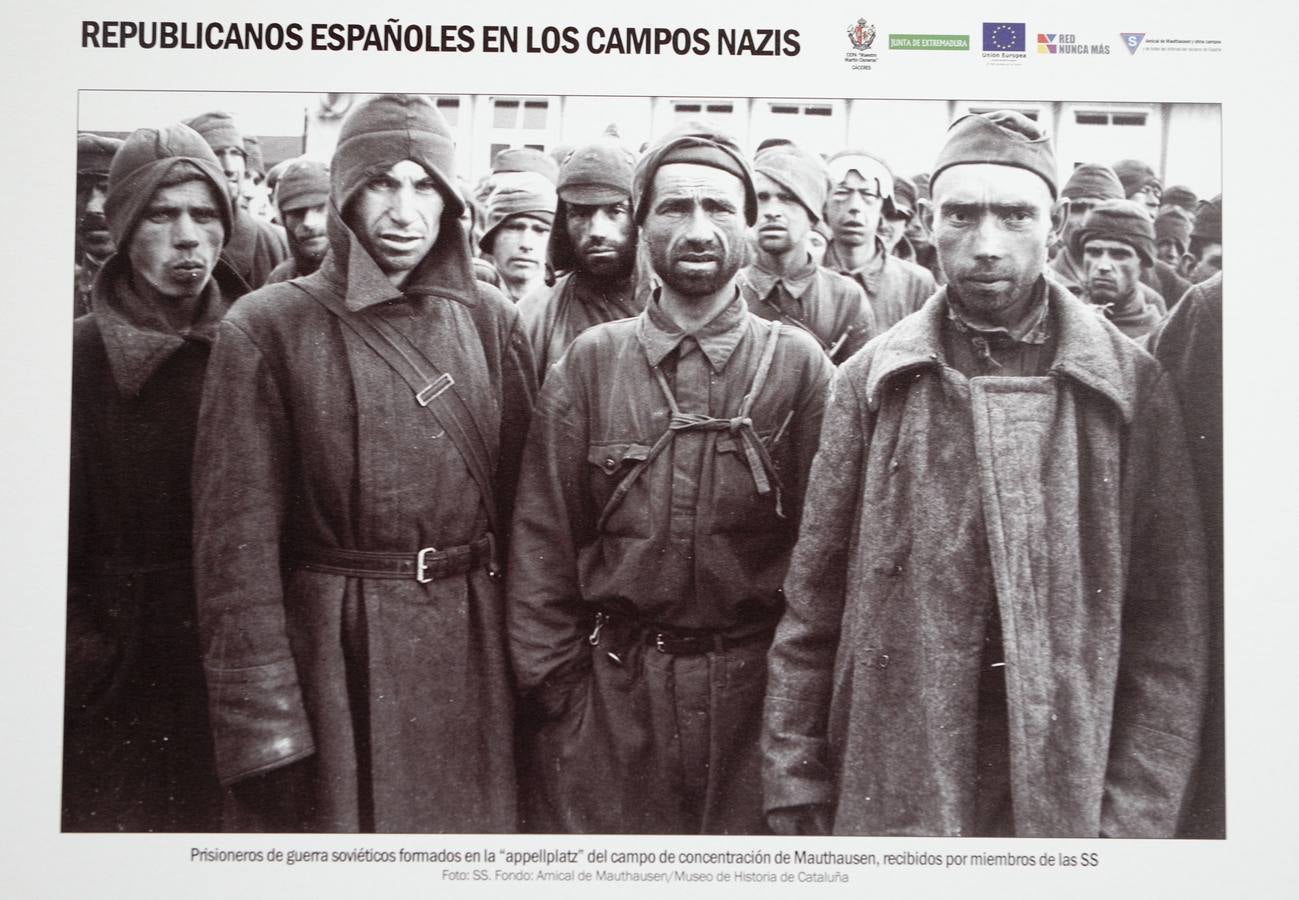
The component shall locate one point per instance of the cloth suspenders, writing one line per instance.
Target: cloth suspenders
(765, 478)
(435, 391)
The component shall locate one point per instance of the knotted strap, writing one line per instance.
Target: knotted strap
(765, 478)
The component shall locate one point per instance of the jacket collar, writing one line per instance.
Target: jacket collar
(718, 338)
(445, 271)
(795, 282)
(869, 274)
(136, 336)
(1088, 350)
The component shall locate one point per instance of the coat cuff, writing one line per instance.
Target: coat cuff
(259, 722)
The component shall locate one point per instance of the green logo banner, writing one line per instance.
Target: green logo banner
(929, 42)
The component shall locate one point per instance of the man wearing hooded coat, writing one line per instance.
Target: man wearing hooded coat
(352, 627)
(137, 749)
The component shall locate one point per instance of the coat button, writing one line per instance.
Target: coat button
(610, 462)
(897, 570)
(882, 661)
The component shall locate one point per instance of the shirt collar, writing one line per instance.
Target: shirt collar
(717, 338)
(1033, 326)
(795, 282)
(868, 274)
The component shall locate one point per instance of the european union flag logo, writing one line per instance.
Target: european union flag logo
(1003, 37)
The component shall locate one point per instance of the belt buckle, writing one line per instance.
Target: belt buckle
(421, 564)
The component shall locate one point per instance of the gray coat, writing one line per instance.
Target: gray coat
(1062, 500)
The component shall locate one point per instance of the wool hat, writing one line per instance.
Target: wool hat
(904, 196)
(219, 130)
(95, 153)
(1135, 176)
(1174, 224)
(1093, 181)
(922, 185)
(696, 143)
(1118, 220)
(253, 153)
(518, 194)
(595, 174)
(870, 168)
(380, 132)
(526, 159)
(1208, 220)
(801, 173)
(145, 159)
(302, 184)
(273, 176)
(1181, 196)
(1001, 138)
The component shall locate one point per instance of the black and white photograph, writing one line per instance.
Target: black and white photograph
(491, 463)
(792, 450)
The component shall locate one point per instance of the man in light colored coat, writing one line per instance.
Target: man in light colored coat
(996, 613)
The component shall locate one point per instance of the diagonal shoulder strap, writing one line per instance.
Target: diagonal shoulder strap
(433, 389)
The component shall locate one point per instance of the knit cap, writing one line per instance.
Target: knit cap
(1093, 181)
(870, 168)
(1181, 196)
(1118, 220)
(302, 184)
(696, 143)
(1002, 138)
(526, 159)
(1135, 175)
(1208, 220)
(95, 153)
(596, 174)
(253, 153)
(904, 196)
(797, 171)
(518, 193)
(145, 159)
(1173, 224)
(219, 130)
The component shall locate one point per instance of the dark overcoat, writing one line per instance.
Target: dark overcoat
(398, 693)
(137, 750)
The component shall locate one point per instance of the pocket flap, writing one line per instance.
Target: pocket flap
(610, 457)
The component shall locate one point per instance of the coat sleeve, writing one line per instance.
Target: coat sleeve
(241, 486)
(797, 769)
(546, 619)
(1159, 697)
(518, 396)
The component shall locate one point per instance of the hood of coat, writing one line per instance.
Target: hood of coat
(137, 337)
(1089, 350)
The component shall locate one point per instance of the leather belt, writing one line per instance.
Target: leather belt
(428, 564)
(696, 642)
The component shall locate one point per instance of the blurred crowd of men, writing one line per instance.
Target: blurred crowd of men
(675, 489)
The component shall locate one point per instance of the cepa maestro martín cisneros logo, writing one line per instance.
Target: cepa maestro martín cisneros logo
(862, 35)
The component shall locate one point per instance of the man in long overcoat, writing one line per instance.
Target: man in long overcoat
(137, 750)
(348, 518)
(996, 610)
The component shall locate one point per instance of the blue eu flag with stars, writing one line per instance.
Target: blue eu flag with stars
(1007, 37)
